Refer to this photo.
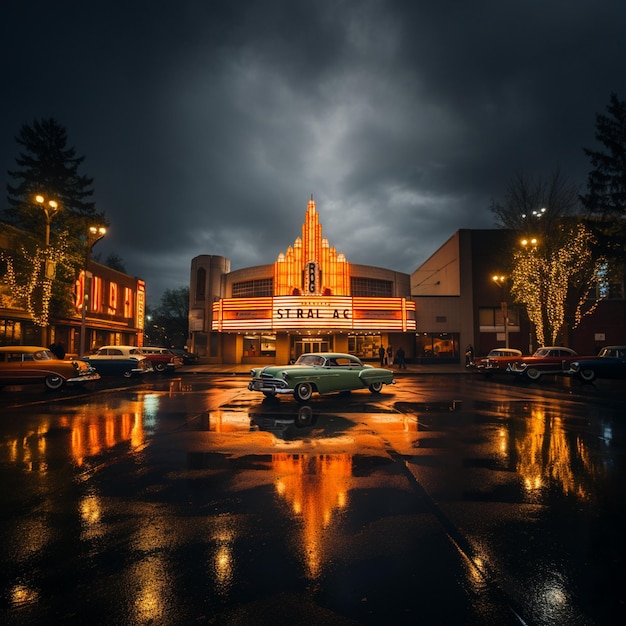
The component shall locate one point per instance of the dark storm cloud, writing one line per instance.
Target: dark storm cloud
(208, 125)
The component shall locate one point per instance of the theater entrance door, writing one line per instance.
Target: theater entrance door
(310, 344)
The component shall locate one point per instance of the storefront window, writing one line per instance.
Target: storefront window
(364, 346)
(268, 345)
(10, 332)
(259, 345)
(437, 347)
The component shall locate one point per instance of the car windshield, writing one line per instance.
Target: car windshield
(612, 352)
(500, 352)
(310, 359)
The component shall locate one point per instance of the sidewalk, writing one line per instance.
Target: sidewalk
(238, 369)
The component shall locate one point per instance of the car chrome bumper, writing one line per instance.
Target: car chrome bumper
(83, 378)
(266, 386)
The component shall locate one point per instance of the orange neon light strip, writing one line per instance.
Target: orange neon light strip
(308, 312)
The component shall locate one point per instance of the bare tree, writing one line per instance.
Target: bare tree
(534, 205)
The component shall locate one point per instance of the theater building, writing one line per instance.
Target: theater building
(310, 299)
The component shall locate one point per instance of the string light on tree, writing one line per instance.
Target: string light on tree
(545, 279)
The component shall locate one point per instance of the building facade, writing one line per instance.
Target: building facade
(114, 310)
(310, 299)
(454, 291)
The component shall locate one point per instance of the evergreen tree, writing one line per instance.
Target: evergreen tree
(115, 262)
(51, 169)
(47, 167)
(606, 197)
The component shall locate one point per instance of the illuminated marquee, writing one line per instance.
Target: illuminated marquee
(311, 312)
(316, 312)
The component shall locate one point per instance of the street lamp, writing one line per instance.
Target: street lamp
(501, 282)
(50, 209)
(530, 245)
(94, 235)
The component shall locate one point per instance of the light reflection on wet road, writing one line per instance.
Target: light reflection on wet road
(447, 499)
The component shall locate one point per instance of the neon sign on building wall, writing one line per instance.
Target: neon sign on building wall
(310, 312)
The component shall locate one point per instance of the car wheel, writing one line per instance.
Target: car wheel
(54, 382)
(127, 374)
(533, 373)
(587, 374)
(303, 392)
(159, 367)
(375, 387)
(269, 394)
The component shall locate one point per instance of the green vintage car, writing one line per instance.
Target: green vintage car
(321, 372)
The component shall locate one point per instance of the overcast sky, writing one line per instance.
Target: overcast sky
(208, 124)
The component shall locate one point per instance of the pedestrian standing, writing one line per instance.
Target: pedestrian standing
(381, 354)
(469, 355)
(389, 355)
(399, 358)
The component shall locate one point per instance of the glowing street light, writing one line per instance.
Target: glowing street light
(50, 209)
(94, 235)
(532, 241)
(501, 282)
(536, 214)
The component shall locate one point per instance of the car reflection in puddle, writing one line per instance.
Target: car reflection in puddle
(301, 423)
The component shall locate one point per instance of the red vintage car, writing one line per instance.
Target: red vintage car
(546, 360)
(162, 359)
(497, 360)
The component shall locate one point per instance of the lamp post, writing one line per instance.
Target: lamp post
(93, 237)
(530, 245)
(50, 209)
(501, 282)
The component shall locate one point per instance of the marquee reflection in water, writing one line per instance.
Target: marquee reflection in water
(315, 486)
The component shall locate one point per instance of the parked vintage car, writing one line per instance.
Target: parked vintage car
(497, 360)
(609, 363)
(546, 360)
(162, 359)
(321, 372)
(20, 365)
(123, 361)
(188, 357)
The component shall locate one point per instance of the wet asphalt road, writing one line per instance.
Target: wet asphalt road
(443, 500)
